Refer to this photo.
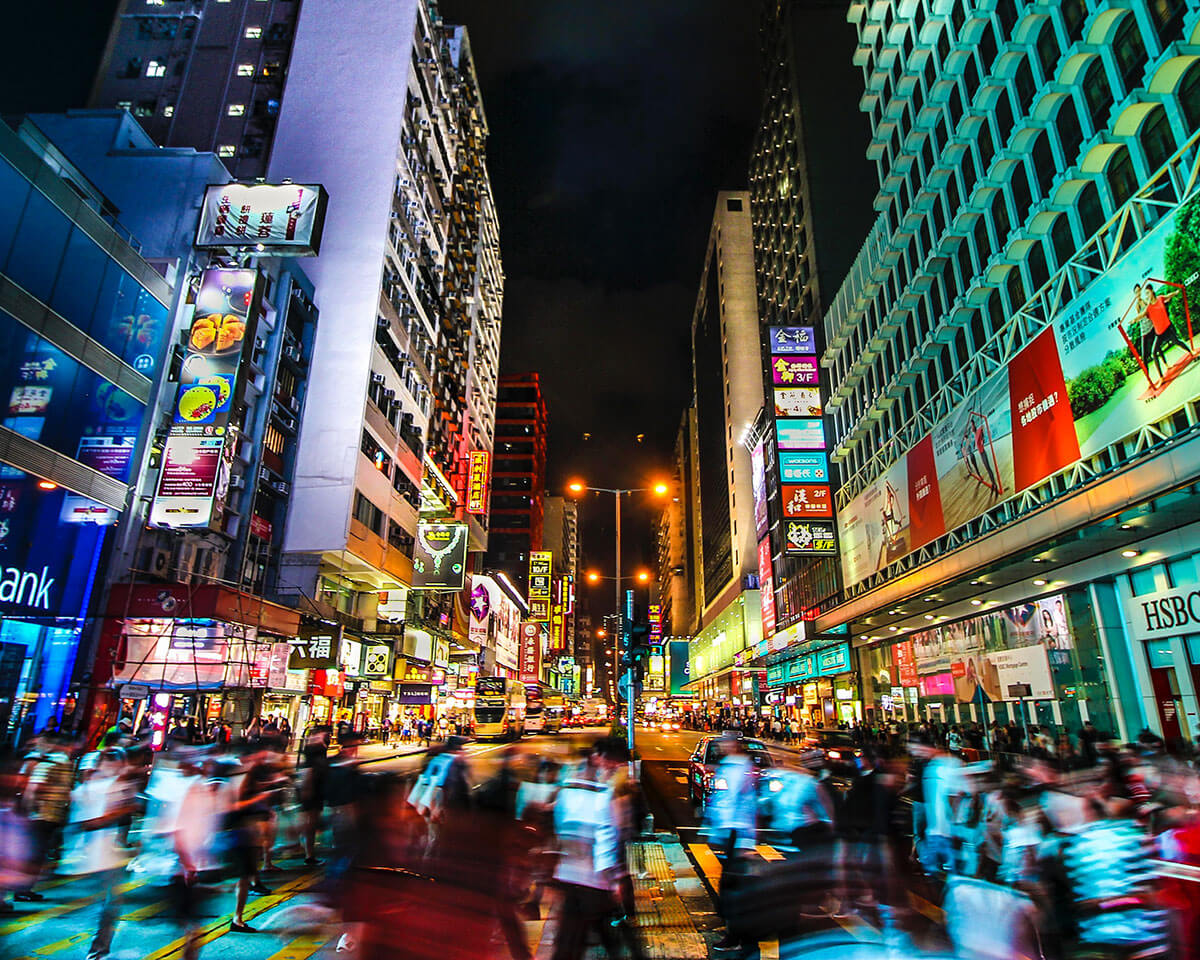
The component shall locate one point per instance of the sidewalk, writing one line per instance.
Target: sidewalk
(377, 752)
(669, 896)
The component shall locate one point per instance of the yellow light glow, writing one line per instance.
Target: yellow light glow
(576, 486)
(643, 576)
(661, 488)
(593, 576)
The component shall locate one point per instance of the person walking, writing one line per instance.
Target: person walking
(730, 827)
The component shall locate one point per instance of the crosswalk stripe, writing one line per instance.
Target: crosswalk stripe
(221, 927)
(302, 947)
(29, 920)
(709, 865)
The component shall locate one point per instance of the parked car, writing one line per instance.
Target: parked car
(702, 766)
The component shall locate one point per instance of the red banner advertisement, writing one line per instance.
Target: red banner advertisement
(924, 501)
(766, 587)
(807, 500)
(906, 663)
(1044, 438)
(531, 652)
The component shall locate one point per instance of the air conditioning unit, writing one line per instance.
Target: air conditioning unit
(377, 378)
(160, 562)
(186, 563)
(388, 394)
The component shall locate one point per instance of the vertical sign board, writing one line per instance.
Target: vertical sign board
(807, 498)
(199, 450)
(654, 617)
(558, 619)
(766, 587)
(540, 563)
(531, 652)
(478, 475)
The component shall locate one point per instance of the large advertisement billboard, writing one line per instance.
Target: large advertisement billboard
(1118, 356)
(288, 218)
(440, 556)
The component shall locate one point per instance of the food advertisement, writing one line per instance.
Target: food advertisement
(287, 218)
(440, 556)
(1120, 355)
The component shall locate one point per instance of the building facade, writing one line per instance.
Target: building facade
(202, 75)
(1011, 360)
(518, 477)
(728, 394)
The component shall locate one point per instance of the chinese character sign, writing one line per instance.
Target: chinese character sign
(531, 652)
(478, 475)
(288, 218)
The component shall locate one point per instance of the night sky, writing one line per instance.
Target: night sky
(613, 125)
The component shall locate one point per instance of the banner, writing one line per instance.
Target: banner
(540, 567)
(1118, 356)
(478, 475)
(758, 484)
(793, 340)
(531, 652)
(440, 556)
(287, 218)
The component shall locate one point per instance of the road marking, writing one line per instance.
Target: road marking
(928, 910)
(216, 930)
(709, 865)
(16, 926)
(769, 853)
(302, 947)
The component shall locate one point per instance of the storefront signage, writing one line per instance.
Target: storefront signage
(809, 537)
(1080, 386)
(478, 476)
(191, 476)
(906, 664)
(793, 371)
(287, 218)
(316, 650)
(793, 340)
(800, 434)
(758, 483)
(260, 528)
(531, 652)
(440, 556)
(416, 694)
(539, 574)
(376, 660)
(833, 660)
(677, 656)
(327, 683)
(807, 500)
(803, 467)
(1165, 613)
(654, 616)
(798, 402)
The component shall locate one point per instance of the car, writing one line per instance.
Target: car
(702, 766)
(840, 751)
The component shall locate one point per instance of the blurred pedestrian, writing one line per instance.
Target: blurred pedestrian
(730, 827)
(314, 780)
(245, 823)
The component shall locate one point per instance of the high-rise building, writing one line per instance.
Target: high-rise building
(1013, 367)
(677, 539)
(518, 476)
(202, 75)
(560, 535)
(728, 394)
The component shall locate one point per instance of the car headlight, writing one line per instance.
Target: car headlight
(775, 786)
(834, 755)
(720, 784)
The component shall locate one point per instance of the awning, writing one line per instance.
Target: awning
(211, 601)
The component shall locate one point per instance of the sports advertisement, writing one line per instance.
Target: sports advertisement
(1118, 356)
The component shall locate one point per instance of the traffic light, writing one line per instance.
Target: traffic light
(635, 645)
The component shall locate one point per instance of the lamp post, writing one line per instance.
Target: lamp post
(578, 488)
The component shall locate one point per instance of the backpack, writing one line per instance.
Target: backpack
(426, 794)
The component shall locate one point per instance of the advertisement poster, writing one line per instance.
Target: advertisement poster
(803, 467)
(793, 340)
(1004, 675)
(188, 481)
(440, 556)
(802, 434)
(766, 587)
(807, 500)
(1116, 357)
(758, 482)
(678, 668)
(793, 371)
(287, 217)
(906, 663)
(798, 402)
(531, 652)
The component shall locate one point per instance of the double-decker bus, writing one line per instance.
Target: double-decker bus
(499, 708)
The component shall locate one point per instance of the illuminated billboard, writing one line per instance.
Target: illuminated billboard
(798, 402)
(440, 556)
(802, 537)
(766, 587)
(803, 467)
(285, 218)
(758, 483)
(807, 500)
(478, 475)
(800, 434)
(793, 371)
(793, 340)
(1119, 355)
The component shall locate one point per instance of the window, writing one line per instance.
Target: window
(245, 70)
(1022, 198)
(1043, 164)
(958, 16)
(145, 108)
(1157, 140)
(1025, 87)
(1006, 13)
(1098, 94)
(1091, 213)
(1069, 132)
(169, 110)
(1074, 13)
(987, 48)
(1122, 180)
(226, 150)
(1062, 240)
(1016, 289)
(253, 33)
(1038, 272)
(366, 513)
(1130, 52)
(1189, 97)
(1000, 218)
(1168, 18)
(1004, 117)
(987, 148)
(1047, 51)
(156, 68)
(983, 244)
(733, 204)
(235, 110)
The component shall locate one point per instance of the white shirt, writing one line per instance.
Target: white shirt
(944, 780)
